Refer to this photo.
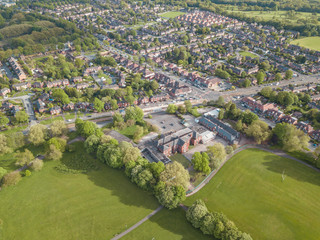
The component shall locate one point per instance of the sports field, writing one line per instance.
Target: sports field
(53, 204)
(251, 191)
(172, 14)
(247, 54)
(308, 42)
(166, 224)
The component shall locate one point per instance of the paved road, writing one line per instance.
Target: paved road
(137, 224)
(276, 152)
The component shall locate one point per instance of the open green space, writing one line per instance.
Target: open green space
(181, 159)
(69, 116)
(166, 224)
(308, 42)
(298, 18)
(247, 54)
(250, 191)
(51, 120)
(171, 14)
(55, 204)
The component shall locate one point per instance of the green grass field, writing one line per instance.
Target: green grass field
(247, 54)
(51, 120)
(181, 159)
(250, 191)
(166, 224)
(276, 15)
(53, 205)
(172, 14)
(308, 42)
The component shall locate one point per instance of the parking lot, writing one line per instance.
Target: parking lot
(165, 122)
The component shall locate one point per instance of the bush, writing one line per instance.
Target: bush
(229, 149)
(37, 164)
(27, 173)
(11, 179)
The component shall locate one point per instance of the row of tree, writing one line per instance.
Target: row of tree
(214, 223)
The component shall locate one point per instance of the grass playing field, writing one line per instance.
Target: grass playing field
(308, 42)
(247, 54)
(249, 189)
(166, 224)
(172, 14)
(53, 205)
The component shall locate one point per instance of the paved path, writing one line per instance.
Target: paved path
(276, 152)
(137, 224)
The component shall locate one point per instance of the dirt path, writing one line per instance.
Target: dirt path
(137, 224)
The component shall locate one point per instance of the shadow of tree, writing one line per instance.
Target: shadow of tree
(175, 221)
(290, 168)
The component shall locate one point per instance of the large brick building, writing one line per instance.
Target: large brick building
(178, 141)
(257, 105)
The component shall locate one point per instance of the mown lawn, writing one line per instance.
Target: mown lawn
(247, 54)
(249, 189)
(172, 14)
(181, 159)
(308, 42)
(52, 204)
(166, 224)
(51, 120)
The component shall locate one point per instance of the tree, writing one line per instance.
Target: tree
(157, 168)
(2, 172)
(91, 144)
(4, 121)
(114, 104)
(290, 138)
(21, 117)
(98, 105)
(24, 158)
(220, 101)
(175, 175)
(182, 109)
(59, 143)
(246, 83)
(15, 140)
(221, 114)
(3, 145)
(89, 128)
(278, 77)
(11, 178)
(201, 162)
(37, 164)
(172, 108)
(59, 95)
(37, 134)
(196, 213)
(134, 113)
(138, 133)
(188, 105)
(217, 154)
(112, 156)
(154, 85)
(169, 196)
(130, 154)
(289, 74)
(266, 92)
(53, 153)
(259, 130)
(58, 128)
(249, 117)
(260, 77)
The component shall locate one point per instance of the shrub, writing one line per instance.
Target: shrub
(11, 179)
(37, 164)
(27, 173)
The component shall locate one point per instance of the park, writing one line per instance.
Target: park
(308, 42)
